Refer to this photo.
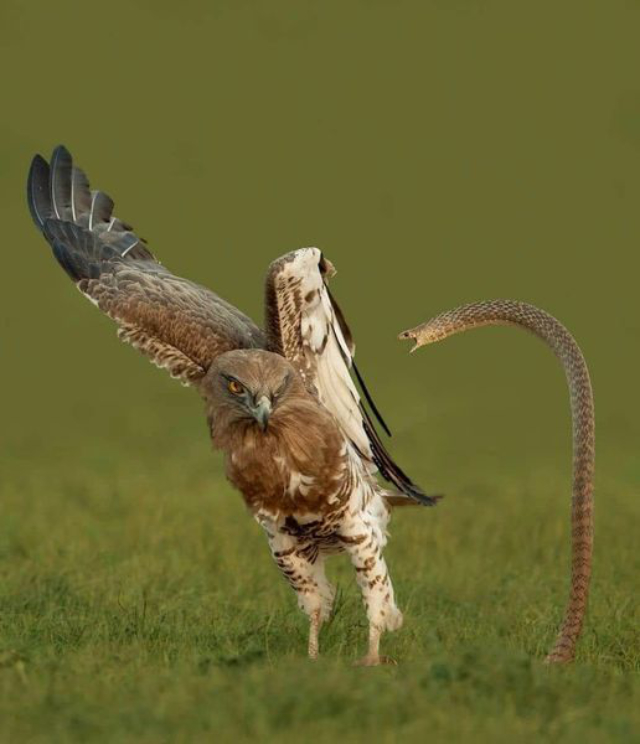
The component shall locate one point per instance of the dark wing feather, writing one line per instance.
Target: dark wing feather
(38, 196)
(60, 184)
(305, 324)
(351, 347)
(100, 211)
(80, 195)
(370, 400)
(180, 325)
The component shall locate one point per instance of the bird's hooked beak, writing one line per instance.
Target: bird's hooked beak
(261, 412)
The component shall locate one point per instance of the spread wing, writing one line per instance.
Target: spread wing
(305, 324)
(179, 325)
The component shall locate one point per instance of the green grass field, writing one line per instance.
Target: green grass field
(138, 602)
(439, 152)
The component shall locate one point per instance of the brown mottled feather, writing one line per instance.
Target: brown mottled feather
(182, 326)
(179, 325)
(303, 323)
(302, 438)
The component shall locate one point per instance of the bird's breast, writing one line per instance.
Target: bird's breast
(272, 480)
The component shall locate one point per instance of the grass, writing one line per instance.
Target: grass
(440, 153)
(138, 603)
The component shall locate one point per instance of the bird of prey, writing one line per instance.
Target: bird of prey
(299, 442)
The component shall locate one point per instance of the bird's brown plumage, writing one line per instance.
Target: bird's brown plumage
(298, 441)
(303, 482)
(183, 327)
(299, 464)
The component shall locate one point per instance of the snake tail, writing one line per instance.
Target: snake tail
(555, 335)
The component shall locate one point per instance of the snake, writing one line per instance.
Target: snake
(557, 337)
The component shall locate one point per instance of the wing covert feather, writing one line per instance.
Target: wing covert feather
(178, 324)
(305, 324)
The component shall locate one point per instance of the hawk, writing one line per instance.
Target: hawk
(298, 439)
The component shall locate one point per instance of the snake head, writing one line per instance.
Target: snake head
(412, 335)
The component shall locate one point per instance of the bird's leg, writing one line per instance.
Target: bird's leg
(363, 541)
(372, 657)
(315, 623)
(303, 568)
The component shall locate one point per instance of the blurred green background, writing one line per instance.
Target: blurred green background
(439, 152)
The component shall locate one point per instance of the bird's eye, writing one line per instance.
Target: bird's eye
(235, 387)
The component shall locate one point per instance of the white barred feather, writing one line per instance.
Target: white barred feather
(326, 357)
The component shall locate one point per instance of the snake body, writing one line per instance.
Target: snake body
(553, 333)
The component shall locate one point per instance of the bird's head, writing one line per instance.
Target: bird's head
(246, 388)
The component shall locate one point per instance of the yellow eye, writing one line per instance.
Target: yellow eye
(235, 387)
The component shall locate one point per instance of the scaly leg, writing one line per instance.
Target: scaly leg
(304, 570)
(372, 657)
(315, 623)
(363, 541)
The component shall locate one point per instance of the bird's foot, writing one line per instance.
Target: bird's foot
(375, 660)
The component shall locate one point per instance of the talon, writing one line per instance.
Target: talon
(369, 661)
(388, 660)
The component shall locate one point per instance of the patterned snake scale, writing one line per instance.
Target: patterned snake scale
(546, 327)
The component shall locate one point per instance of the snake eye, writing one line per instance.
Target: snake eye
(235, 387)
